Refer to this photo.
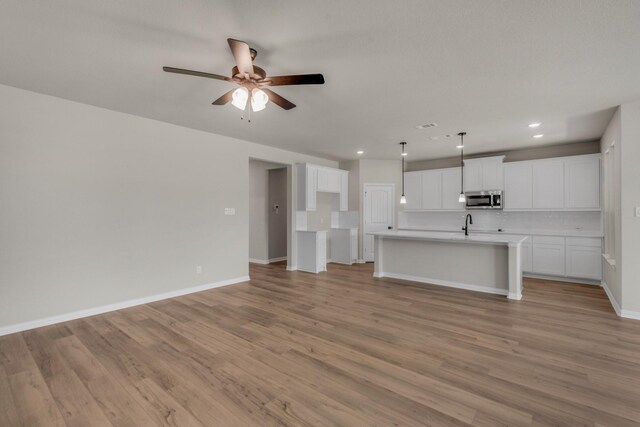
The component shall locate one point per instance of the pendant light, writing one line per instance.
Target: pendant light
(403, 199)
(462, 198)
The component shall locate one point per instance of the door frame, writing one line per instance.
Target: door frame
(393, 210)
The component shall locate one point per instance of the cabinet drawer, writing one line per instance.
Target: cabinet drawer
(584, 241)
(548, 240)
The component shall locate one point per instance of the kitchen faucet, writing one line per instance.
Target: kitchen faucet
(467, 221)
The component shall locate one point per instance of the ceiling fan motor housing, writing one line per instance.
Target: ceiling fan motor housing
(258, 73)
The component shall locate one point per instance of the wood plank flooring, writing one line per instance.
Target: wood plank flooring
(338, 348)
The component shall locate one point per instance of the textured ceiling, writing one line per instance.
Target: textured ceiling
(487, 67)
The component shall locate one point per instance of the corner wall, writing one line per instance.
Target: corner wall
(100, 207)
(622, 278)
(611, 268)
(630, 198)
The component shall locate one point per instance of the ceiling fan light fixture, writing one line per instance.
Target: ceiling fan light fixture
(259, 99)
(239, 98)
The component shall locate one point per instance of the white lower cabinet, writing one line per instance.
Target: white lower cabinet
(572, 257)
(584, 258)
(312, 251)
(344, 245)
(526, 255)
(548, 259)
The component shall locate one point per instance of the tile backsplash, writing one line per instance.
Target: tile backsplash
(493, 220)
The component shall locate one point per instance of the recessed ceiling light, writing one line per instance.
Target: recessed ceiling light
(359, 152)
(538, 135)
(534, 125)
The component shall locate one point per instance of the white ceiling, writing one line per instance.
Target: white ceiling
(488, 67)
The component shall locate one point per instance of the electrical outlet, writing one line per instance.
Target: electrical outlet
(637, 210)
(199, 269)
(229, 211)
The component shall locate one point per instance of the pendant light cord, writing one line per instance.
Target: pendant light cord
(462, 161)
(403, 156)
(403, 175)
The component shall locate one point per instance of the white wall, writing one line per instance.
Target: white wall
(622, 279)
(100, 207)
(277, 229)
(259, 209)
(629, 199)
(532, 153)
(611, 273)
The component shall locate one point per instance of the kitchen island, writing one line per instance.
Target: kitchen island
(485, 263)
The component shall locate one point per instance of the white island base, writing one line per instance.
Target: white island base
(485, 263)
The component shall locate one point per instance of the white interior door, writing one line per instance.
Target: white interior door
(379, 204)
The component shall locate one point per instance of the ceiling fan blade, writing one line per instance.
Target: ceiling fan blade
(196, 73)
(242, 55)
(224, 98)
(278, 100)
(301, 79)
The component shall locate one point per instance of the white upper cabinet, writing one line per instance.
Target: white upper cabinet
(413, 190)
(548, 184)
(563, 183)
(311, 185)
(451, 186)
(582, 182)
(329, 180)
(432, 189)
(518, 185)
(484, 174)
(312, 179)
(472, 175)
(344, 190)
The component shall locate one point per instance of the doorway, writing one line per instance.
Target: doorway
(268, 212)
(378, 213)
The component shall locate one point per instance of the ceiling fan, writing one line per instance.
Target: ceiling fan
(253, 80)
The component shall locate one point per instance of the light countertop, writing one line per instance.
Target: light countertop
(518, 231)
(484, 238)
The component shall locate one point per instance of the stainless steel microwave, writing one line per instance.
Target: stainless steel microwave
(492, 199)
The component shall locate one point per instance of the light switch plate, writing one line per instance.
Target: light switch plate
(637, 210)
(229, 211)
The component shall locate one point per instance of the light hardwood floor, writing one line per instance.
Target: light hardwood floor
(339, 348)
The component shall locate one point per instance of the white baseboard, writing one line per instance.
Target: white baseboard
(629, 314)
(612, 299)
(513, 295)
(292, 267)
(361, 261)
(267, 261)
(38, 323)
(466, 286)
(562, 279)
